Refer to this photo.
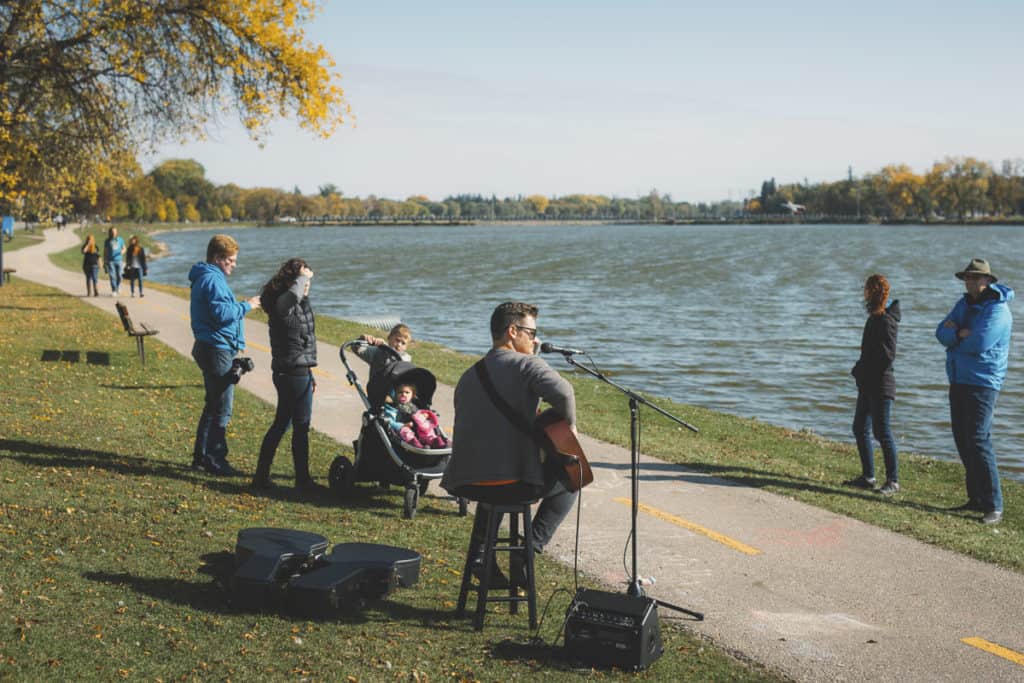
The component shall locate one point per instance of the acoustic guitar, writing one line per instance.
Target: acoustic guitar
(556, 438)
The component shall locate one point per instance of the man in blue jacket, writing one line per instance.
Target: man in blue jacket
(218, 325)
(976, 334)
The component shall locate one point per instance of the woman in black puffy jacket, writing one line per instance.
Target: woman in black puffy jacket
(293, 346)
(876, 386)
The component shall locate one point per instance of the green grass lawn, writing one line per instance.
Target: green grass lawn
(22, 239)
(114, 552)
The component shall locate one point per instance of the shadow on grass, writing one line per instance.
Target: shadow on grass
(135, 387)
(536, 653)
(214, 597)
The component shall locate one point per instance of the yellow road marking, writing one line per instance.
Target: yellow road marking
(696, 528)
(997, 650)
(259, 347)
(322, 373)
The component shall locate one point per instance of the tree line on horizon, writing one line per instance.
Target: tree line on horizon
(957, 188)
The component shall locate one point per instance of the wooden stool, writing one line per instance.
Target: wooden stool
(511, 544)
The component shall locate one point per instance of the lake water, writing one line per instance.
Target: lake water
(759, 321)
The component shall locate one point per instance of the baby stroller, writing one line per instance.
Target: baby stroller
(380, 455)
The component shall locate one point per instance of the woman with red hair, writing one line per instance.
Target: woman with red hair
(876, 386)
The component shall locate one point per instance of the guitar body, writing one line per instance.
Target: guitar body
(558, 441)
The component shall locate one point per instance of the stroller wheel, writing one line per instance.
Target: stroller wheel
(411, 496)
(463, 507)
(339, 477)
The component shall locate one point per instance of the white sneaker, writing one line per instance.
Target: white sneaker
(113, 294)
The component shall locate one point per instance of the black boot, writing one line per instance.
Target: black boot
(478, 543)
(261, 479)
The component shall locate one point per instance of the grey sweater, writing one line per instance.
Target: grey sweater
(486, 446)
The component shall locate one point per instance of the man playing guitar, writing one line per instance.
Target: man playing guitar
(494, 460)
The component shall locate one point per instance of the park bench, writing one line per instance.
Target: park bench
(7, 273)
(139, 334)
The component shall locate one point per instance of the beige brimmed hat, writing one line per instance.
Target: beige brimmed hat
(978, 266)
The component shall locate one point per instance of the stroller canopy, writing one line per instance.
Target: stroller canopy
(402, 372)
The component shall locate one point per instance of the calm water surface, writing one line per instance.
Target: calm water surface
(759, 321)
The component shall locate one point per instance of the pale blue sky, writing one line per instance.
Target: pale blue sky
(703, 102)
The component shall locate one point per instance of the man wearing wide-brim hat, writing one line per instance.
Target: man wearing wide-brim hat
(976, 334)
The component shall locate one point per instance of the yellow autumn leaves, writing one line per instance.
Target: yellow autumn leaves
(85, 84)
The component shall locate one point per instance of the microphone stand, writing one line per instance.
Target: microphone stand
(635, 401)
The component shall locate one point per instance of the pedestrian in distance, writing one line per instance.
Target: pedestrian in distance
(292, 327)
(218, 326)
(976, 334)
(91, 265)
(135, 264)
(876, 386)
(113, 253)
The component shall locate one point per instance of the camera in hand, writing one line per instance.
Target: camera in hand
(239, 366)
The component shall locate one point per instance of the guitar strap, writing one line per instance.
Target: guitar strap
(517, 420)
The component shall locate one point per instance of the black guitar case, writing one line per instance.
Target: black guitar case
(266, 560)
(284, 568)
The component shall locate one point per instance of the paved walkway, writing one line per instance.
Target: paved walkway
(806, 592)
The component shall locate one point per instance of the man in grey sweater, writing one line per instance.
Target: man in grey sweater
(493, 460)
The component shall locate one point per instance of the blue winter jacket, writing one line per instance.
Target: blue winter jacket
(217, 318)
(980, 359)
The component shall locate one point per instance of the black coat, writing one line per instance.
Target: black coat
(873, 369)
(292, 333)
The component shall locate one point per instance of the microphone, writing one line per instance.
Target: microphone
(551, 348)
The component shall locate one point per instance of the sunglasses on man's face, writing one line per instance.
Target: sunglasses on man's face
(530, 331)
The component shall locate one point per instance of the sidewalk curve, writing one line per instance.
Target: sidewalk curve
(811, 594)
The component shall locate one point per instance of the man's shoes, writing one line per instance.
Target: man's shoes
(993, 517)
(861, 482)
(221, 468)
(969, 506)
(497, 580)
(889, 488)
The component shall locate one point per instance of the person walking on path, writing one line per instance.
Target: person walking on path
(285, 298)
(135, 264)
(876, 386)
(91, 265)
(976, 334)
(492, 460)
(113, 251)
(218, 326)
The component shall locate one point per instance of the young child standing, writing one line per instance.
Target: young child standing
(380, 358)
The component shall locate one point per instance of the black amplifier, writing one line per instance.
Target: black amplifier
(612, 629)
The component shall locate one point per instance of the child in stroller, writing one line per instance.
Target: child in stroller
(420, 427)
(398, 398)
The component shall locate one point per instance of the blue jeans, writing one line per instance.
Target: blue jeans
(138, 278)
(114, 271)
(92, 275)
(294, 409)
(211, 442)
(970, 413)
(874, 411)
(554, 508)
